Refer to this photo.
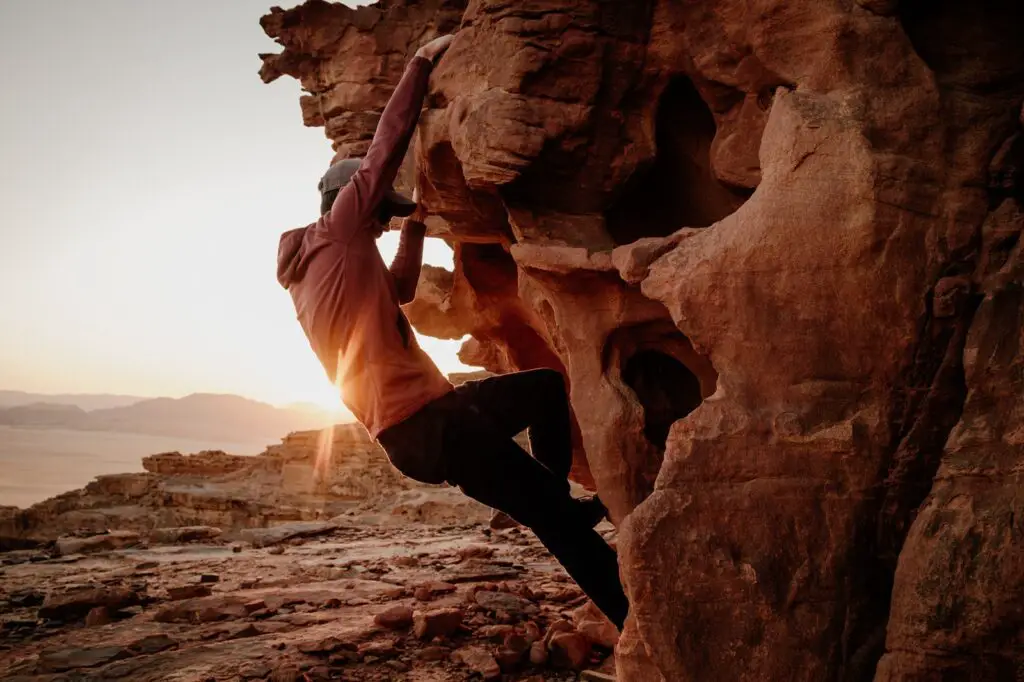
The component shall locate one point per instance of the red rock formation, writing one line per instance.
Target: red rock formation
(774, 247)
(207, 463)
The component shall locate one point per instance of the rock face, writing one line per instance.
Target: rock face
(775, 249)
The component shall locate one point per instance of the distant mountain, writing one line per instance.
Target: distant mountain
(198, 416)
(42, 414)
(86, 401)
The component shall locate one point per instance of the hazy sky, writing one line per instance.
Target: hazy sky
(146, 175)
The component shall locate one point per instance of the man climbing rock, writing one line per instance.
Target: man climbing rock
(348, 301)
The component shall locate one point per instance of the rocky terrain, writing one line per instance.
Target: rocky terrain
(774, 247)
(313, 561)
(340, 600)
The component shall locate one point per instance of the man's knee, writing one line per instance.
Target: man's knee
(550, 381)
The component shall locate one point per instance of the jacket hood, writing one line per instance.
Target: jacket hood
(291, 261)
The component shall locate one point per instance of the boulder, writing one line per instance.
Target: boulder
(77, 602)
(538, 653)
(99, 615)
(188, 592)
(437, 623)
(379, 649)
(97, 543)
(323, 645)
(479, 661)
(151, 644)
(183, 534)
(498, 632)
(397, 617)
(569, 650)
(265, 537)
(71, 658)
(595, 626)
(203, 609)
(505, 602)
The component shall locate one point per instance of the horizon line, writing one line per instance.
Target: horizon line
(102, 394)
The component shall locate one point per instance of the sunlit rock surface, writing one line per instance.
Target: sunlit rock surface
(774, 248)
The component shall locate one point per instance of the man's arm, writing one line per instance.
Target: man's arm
(357, 203)
(405, 268)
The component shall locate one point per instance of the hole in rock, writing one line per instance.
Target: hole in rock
(528, 349)
(666, 389)
(679, 188)
(667, 376)
(491, 272)
(662, 378)
(489, 269)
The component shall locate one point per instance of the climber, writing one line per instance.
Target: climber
(347, 302)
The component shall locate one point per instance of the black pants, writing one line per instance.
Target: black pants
(466, 439)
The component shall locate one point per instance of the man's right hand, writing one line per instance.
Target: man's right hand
(436, 47)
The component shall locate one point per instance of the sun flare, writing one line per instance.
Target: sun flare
(301, 380)
(324, 395)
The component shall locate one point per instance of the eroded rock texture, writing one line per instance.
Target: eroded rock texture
(774, 248)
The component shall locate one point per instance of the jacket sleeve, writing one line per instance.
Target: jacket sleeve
(357, 202)
(405, 268)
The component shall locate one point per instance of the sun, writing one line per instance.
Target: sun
(328, 397)
(321, 393)
(297, 377)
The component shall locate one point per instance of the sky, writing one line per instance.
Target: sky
(146, 174)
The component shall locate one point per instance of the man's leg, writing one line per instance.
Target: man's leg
(535, 401)
(492, 469)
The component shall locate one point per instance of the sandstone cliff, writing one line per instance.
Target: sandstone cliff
(774, 248)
